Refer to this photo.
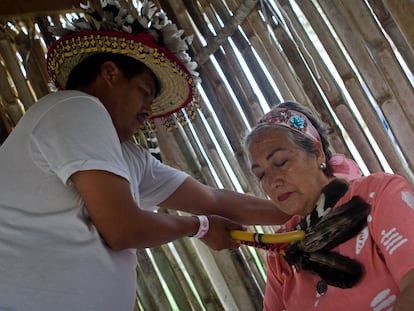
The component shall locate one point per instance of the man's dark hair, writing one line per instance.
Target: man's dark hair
(86, 71)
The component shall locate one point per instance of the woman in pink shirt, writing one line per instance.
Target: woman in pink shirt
(357, 254)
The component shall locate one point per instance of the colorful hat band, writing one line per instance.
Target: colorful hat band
(70, 50)
(291, 119)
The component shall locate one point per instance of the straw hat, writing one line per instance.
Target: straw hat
(146, 35)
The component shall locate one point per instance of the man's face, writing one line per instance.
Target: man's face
(129, 101)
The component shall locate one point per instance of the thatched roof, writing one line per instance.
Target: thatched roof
(351, 61)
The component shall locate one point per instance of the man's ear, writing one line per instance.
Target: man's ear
(109, 71)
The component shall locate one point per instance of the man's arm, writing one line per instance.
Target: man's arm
(197, 198)
(122, 224)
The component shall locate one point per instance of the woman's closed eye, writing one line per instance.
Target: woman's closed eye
(277, 164)
(280, 163)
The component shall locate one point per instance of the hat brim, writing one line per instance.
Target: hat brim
(177, 86)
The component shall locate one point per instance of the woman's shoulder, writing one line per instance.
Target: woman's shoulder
(378, 179)
(377, 185)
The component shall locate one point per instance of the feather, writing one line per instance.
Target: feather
(326, 229)
(337, 270)
(337, 227)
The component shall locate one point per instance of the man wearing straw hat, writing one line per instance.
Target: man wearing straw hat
(77, 195)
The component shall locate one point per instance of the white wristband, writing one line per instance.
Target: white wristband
(203, 228)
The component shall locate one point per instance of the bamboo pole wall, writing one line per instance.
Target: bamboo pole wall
(350, 61)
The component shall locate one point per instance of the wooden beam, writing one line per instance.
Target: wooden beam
(231, 26)
(34, 8)
(403, 13)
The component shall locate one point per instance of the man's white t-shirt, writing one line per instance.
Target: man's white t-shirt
(51, 255)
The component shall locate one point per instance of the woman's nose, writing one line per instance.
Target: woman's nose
(273, 181)
(276, 183)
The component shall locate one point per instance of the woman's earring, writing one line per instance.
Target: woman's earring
(322, 166)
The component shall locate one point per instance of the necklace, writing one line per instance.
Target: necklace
(325, 229)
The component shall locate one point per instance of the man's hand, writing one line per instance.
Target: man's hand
(218, 236)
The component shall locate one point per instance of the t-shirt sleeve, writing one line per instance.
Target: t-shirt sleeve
(160, 182)
(78, 134)
(392, 224)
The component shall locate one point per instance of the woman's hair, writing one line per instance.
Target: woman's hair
(304, 142)
(86, 71)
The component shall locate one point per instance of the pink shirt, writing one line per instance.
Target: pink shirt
(383, 247)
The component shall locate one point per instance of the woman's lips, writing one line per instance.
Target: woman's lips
(284, 196)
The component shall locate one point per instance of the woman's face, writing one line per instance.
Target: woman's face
(291, 177)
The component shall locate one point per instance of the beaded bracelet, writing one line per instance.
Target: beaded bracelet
(203, 228)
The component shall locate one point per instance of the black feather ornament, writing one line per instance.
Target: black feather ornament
(337, 227)
(326, 229)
